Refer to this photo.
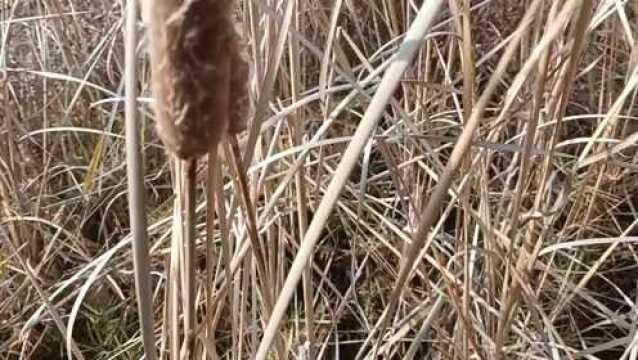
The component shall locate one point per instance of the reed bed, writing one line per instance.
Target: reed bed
(272, 179)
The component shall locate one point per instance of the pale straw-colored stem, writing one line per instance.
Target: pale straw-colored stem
(188, 289)
(135, 174)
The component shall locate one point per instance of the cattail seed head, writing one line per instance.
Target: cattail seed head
(199, 75)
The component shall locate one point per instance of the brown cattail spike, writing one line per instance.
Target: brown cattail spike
(199, 75)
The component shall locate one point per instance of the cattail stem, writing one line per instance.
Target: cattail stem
(210, 233)
(135, 175)
(188, 213)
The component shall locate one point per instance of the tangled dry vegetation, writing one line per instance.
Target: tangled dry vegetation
(492, 213)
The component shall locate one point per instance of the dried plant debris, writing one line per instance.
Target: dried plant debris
(199, 74)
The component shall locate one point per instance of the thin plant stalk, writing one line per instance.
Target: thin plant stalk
(135, 175)
(301, 198)
(259, 255)
(188, 287)
(210, 232)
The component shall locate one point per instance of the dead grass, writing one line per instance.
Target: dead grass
(491, 213)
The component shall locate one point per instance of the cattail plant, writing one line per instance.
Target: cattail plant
(199, 80)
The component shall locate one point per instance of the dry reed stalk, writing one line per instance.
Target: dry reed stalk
(135, 175)
(187, 207)
(259, 252)
(173, 284)
(463, 25)
(210, 233)
(300, 185)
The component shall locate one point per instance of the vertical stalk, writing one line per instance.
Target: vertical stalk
(188, 213)
(300, 184)
(468, 103)
(210, 231)
(135, 175)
